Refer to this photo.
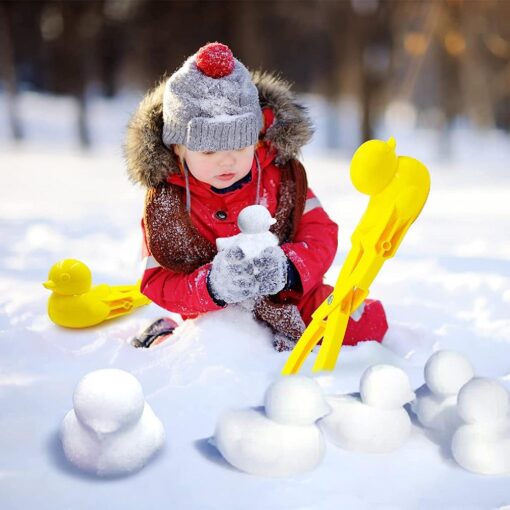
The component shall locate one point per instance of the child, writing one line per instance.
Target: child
(207, 142)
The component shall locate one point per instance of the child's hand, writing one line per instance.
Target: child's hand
(272, 265)
(232, 279)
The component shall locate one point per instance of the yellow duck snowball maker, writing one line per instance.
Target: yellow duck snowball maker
(74, 303)
(373, 166)
(398, 188)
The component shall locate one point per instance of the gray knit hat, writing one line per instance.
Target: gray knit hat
(211, 103)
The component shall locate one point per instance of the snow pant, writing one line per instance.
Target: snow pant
(371, 326)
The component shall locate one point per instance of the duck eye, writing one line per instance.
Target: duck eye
(65, 277)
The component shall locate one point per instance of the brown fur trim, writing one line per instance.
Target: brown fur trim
(173, 240)
(291, 201)
(292, 127)
(149, 161)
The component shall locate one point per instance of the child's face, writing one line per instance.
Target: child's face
(219, 169)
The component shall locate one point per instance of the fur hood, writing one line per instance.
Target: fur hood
(149, 161)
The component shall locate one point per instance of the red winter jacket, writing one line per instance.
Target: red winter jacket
(215, 215)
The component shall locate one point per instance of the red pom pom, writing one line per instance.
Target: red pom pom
(215, 60)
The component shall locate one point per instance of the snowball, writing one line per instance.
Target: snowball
(255, 219)
(482, 444)
(436, 412)
(111, 430)
(482, 400)
(108, 400)
(483, 449)
(446, 372)
(295, 400)
(115, 453)
(254, 222)
(257, 445)
(385, 387)
(355, 426)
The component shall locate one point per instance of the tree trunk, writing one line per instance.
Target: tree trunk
(9, 72)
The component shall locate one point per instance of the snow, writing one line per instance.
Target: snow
(295, 400)
(446, 372)
(115, 453)
(483, 400)
(254, 251)
(376, 421)
(108, 400)
(385, 387)
(482, 443)
(254, 222)
(280, 440)
(447, 288)
(435, 406)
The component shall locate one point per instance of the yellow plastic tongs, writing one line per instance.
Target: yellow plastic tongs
(398, 188)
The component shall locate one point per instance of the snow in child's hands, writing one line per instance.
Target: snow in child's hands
(254, 222)
(232, 277)
(235, 278)
(249, 264)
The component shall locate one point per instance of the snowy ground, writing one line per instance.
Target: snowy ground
(448, 287)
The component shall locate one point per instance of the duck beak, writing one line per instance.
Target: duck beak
(50, 285)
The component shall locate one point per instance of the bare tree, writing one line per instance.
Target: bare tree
(9, 70)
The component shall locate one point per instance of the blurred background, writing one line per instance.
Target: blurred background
(433, 72)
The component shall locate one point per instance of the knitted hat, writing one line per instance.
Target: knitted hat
(211, 104)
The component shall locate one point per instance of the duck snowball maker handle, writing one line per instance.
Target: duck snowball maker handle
(74, 303)
(398, 188)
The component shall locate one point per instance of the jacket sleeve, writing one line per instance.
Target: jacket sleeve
(185, 294)
(315, 243)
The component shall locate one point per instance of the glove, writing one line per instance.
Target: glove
(271, 270)
(231, 279)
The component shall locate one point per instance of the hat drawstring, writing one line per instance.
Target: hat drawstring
(188, 194)
(259, 179)
(186, 178)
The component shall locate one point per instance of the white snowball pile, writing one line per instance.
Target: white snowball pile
(376, 422)
(436, 406)
(471, 412)
(111, 430)
(283, 442)
(482, 443)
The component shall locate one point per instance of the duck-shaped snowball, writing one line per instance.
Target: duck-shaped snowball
(254, 222)
(282, 442)
(482, 443)
(375, 422)
(111, 430)
(435, 405)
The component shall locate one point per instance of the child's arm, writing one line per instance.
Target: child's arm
(185, 294)
(315, 244)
